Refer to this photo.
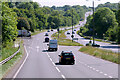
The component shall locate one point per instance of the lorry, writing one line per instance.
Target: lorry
(24, 33)
(53, 45)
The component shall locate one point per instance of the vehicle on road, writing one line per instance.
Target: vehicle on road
(68, 32)
(74, 29)
(24, 33)
(73, 32)
(51, 29)
(66, 57)
(53, 45)
(46, 34)
(46, 39)
(48, 31)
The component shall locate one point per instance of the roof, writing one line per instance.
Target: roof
(66, 51)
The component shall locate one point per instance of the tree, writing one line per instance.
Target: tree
(9, 22)
(23, 22)
(104, 19)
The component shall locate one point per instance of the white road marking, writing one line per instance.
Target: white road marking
(93, 68)
(90, 67)
(53, 63)
(110, 76)
(57, 69)
(21, 64)
(50, 59)
(101, 72)
(97, 70)
(37, 48)
(105, 74)
(63, 76)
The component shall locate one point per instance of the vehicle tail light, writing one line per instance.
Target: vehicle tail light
(61, 56)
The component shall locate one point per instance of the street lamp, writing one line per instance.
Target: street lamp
(72, 26)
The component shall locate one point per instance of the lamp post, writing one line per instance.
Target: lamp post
(72, 26)
(93, 23)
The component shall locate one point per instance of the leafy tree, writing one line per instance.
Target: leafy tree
(23, 22)
(9, 22)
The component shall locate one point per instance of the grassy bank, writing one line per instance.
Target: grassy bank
(63, 41)
(88, 37)
(9, 51)
(101, 53)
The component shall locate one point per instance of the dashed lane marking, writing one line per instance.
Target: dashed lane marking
(96, 70)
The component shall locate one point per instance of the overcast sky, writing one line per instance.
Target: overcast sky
(72, 2)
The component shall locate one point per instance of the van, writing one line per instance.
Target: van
(53, 45)
(24, 33)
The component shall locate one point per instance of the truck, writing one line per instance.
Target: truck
(53, 45)
(24, 33)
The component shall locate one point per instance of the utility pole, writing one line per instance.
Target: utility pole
(72, 26)
(58, 27)
(93, 25)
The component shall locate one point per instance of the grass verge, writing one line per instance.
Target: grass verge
(101, 53)
(63, 41)
(88, 37)
(7, 66)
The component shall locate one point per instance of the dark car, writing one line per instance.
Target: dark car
(46, 34)
(74, 29)
(73, 32)
(68, 32)
(51, 29)
(66, 57)
(46, 39)
(48, 31)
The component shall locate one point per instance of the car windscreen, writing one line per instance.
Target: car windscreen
(67, 54)
(53, 43)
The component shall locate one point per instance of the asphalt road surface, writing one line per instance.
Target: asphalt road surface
(43, 64)
(81, 40)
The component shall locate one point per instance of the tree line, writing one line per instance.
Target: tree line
(31, 16)
(106, 23)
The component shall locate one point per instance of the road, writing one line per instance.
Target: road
(39, 63)
(43, 64)
(83, 41)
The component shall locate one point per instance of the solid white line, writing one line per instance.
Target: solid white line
(53, 63)
(57, 69)
(21, 64)
(63, 76)
(50, 59)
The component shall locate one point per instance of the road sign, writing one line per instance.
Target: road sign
(72, 36)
